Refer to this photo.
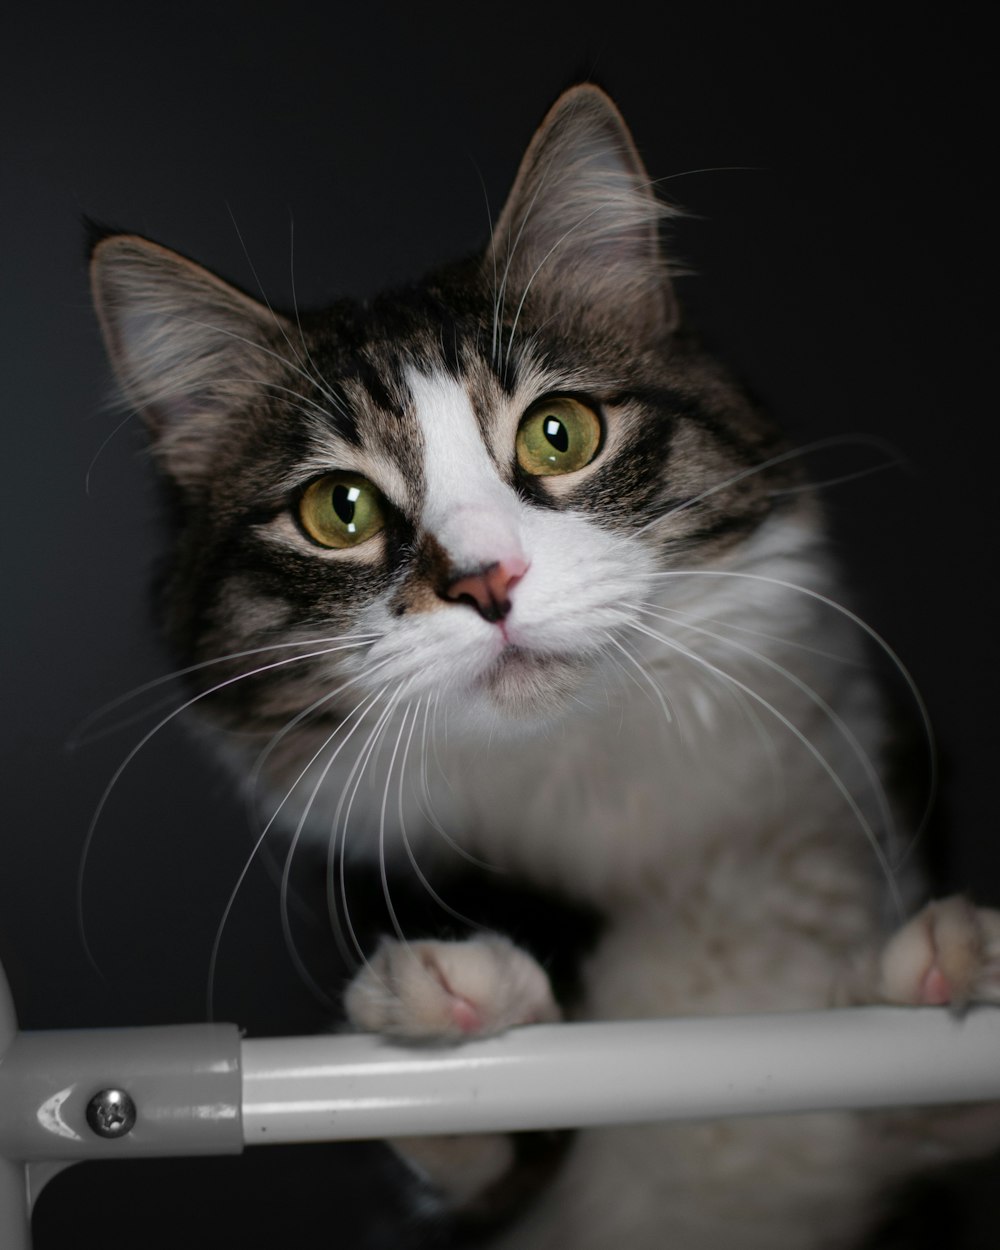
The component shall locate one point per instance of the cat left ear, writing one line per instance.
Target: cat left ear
(188, 349)
(580, 230)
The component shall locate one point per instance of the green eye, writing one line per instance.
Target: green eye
(557, 435)
(341, 510)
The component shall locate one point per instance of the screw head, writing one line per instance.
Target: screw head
(111, 1113)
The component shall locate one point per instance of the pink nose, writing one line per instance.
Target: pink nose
(488, 589)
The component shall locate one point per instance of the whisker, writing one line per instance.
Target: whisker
(442, 773)
(383, 871)
(738, 698)
(123, 723)
(286, 928)
(813, 750)
(253, 776)
(657, 208)
(349, 794)
(95, 819)
(883, 646)
(708, 169)
(824, 483)
(214, 958)
(493, 258)
(264, 351)
(77, 738)
(605, 683)
(397, 928)
(862, 756)
(260, 286)
(256, 770)
(732, 627)
(661, 699)
(310, 407)
(836, 440)
(126, 420)
(314, 376)
(407, 847)
(502, 294)
(535, 272)
(317, 373)
(427, 803)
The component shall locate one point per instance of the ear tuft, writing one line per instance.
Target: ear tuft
(187, 348)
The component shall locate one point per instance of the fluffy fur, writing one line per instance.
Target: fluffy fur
(628, 684)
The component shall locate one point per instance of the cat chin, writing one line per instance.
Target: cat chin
(522, 688)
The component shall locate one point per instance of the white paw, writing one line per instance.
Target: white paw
(460, 1168)
(449, 990)
(948, 953)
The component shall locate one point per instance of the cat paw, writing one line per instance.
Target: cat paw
(949, 953)
(448, 991)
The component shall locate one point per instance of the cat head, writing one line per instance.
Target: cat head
(459, 491)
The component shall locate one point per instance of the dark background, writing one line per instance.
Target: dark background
(843, 213)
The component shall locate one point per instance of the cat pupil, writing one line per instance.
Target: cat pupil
(343, 500)
(556, 433)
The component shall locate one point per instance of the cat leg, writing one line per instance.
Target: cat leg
(448, 992)
(949, 953)
(946, 955)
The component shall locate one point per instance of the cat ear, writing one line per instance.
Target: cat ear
(188, 349)
(580, 229)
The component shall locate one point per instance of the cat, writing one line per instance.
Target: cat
(511, 543)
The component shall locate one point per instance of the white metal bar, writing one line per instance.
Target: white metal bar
(568, 1075)
(552, 1076)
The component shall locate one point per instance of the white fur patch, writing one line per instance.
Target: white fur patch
(472, 513)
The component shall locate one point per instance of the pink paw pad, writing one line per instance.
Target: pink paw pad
(935, 988)
(942, 956)
(466, 1016)
(449, 990)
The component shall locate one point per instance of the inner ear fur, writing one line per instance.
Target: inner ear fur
(580, 229)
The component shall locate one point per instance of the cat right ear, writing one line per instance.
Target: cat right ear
(579, 234)
(188, 349)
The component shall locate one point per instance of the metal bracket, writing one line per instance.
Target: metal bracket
(74, 1094)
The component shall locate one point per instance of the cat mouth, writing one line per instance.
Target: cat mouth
(519, 659)
(525, 682)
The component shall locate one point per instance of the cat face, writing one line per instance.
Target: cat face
(460, 492)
